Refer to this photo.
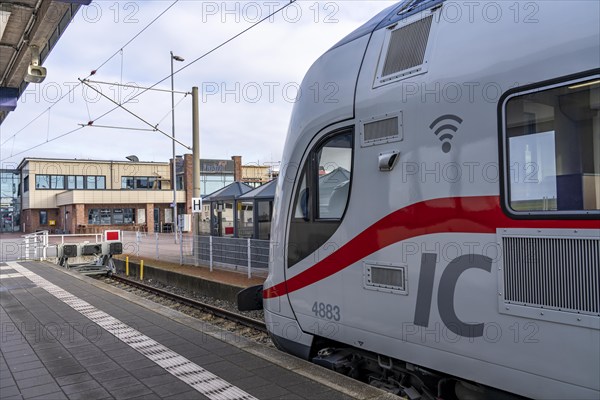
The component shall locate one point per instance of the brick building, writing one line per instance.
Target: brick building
(88, 196)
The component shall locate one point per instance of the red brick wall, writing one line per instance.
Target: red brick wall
(237, 169)
(31, 219)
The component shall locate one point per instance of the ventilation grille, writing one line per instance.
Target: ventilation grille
(389, 279)
(383, 129)
(554, 273)
(407, 46)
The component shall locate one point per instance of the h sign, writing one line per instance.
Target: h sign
(196, 204)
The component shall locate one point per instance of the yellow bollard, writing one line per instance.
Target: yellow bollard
(142, 270)
(127, 265)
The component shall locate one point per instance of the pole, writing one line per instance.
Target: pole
(174, 184)
(196, 171)
(195, 143)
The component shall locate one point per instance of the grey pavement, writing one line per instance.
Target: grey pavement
(49, 350)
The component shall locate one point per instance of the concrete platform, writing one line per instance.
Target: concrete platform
(66, 336)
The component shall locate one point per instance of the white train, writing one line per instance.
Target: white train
(436, 228)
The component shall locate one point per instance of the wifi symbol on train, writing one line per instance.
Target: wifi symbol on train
(445, 127)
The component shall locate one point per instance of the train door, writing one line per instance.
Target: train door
(320, 201)
(322, 195)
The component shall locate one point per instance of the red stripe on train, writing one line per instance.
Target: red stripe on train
(477, 214)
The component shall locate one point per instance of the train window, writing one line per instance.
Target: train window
(553, 149)
(334, 160)
(321, 195)
(302, 200)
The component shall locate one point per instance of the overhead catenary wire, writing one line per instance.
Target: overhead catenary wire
(160, 81)
(155, 127)
(93, 72)
(43, 143)
(201, 57)
(135, 86)
(125, 128)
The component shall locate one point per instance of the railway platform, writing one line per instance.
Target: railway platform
(67, 336)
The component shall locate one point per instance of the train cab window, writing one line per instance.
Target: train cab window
(321, 196)
(334, 160)
(553, 149)
(302, 200)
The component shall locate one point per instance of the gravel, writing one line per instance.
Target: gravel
(249, 333)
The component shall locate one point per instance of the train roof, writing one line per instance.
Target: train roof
(395, 13)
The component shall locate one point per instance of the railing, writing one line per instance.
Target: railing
(35, 246)
(248, 255)
(236, 252)
(240, 254)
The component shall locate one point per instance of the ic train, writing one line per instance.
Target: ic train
(436, 228)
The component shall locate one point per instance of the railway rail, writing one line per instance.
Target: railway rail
(216, 311)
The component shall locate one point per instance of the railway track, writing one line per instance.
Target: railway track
(216, 311)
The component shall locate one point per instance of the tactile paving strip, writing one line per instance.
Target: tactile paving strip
(205, 382)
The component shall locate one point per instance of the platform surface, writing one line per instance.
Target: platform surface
(66, 337)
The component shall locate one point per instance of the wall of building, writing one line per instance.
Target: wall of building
(255, 175)
(112, 171)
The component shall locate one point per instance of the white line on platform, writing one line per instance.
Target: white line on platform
(15, 275)
(197, 377)
(3, 268)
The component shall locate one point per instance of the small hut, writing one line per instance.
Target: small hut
(256, 212)
(224, 209)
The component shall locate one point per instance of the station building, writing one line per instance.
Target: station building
(89, 196)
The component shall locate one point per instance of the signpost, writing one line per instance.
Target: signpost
(196, 204)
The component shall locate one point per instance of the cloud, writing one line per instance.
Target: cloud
(247, 115)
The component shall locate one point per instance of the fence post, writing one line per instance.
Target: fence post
(249, 259)
(138, 239)
(157, 253)
(180, 247)
(210, 253)
(44, 246)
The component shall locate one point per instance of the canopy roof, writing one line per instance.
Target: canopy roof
(263, 192)
(229, 192)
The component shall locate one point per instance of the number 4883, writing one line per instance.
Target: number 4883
(326, 311)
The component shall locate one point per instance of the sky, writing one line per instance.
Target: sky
(247, 88)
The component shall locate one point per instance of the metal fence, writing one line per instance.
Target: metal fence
(248, 255)
(244, 255)
(41, 245)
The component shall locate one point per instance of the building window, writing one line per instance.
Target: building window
(43, 217)
(26, 184)
(94, 216)
(53, 182)
(128, 215)
(107, 216)
(127, 182)
(179, 182)
(101, 182)
(552, 149)
(75, 182)
(140, 182)
(117, 216)
(42, 181)
(57, 181)
(70, 182)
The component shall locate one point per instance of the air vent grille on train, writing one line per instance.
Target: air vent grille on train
(385, 278)
(555, 273)
(382, 129)
(407, 46)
